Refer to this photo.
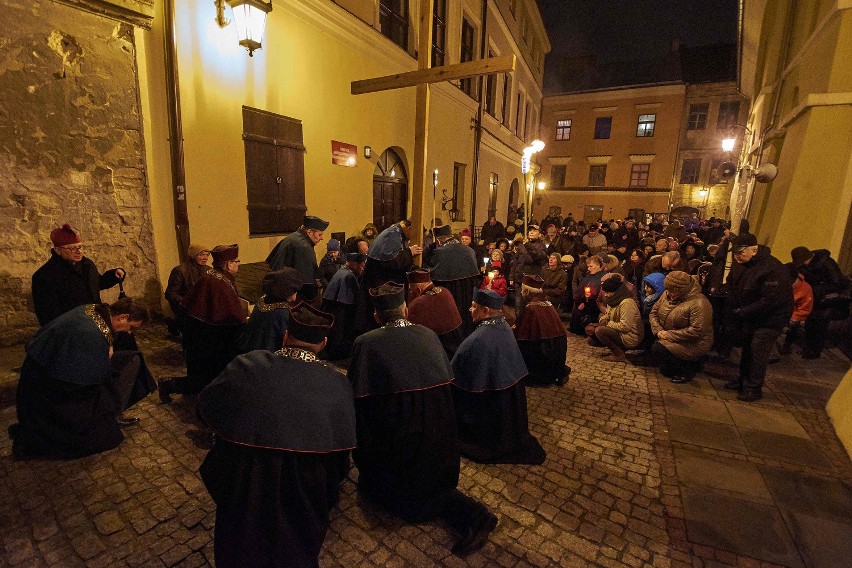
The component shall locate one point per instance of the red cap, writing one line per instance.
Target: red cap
(465, 233)
(64, 235)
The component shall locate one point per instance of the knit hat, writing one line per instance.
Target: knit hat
(224, 253)
(465, 233)
(488, 298)
(314, 223)
(333, 244)
(64, 235)
(801, 255)
(678, 281)
(388, 296)
(308, 324)
(612, 283)
(195, 249)
(281, 284)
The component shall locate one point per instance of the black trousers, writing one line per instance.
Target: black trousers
(671, 365)
(757, 347)
(816, 331)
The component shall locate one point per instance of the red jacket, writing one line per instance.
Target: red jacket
(498, 284)
(803, 299)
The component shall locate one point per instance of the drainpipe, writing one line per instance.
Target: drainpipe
(477, 124)
(175, 131)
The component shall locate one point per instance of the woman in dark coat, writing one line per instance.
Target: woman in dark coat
(555, 280)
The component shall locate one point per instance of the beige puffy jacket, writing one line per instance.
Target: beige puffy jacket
(688, 323)
(626, 319)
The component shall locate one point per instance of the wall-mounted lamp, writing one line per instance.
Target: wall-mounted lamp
(541, 186)
(730, 140)
(703, 192)
(250, 19)
(368, 152)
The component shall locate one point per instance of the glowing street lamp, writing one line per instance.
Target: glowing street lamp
(249, 18)
(728, 144)
(535, 147)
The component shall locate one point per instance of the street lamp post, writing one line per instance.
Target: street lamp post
(535, 147)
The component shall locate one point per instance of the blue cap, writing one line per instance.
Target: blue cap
(488, 298)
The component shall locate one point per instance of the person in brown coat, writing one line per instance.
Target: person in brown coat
(682, 323)
(555, 280)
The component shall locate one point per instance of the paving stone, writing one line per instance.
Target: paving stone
(705, 434)
(697, 468)
(808, 494)
(783, 448)
(108, 522)
(765, 419)
(699, 407)
(87, 546)
(824, 543)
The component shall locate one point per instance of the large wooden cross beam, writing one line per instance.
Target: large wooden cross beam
(421, 79)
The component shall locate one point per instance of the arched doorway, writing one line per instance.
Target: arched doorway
(390, 190)
(512, 214)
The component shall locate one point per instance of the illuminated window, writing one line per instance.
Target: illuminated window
(563, 129)
(639, 175)
(645, 126)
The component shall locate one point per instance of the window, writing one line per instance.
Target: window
(518, 115)
(603, 125)
(527, 121)
(639, 175)
(467, 41)
(729, 112)
(393, 20)
(275, 172)
(458, 186)
(439, 33)
(690, 170)
(493, 184)
(597, 175)
(491, 91)
(714, 172)
(645, 126)
(563, 129)
(522, 22)
(557, 176)
(504, 108)
(697, 116)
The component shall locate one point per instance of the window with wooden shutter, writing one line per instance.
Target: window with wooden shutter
(275, 172)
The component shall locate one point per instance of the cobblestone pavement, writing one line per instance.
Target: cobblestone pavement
(639, 473)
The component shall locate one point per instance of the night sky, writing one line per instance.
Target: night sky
(621, 30)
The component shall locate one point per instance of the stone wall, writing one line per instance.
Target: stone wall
(71, 151)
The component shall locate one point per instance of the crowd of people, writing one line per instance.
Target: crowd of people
(436, 363)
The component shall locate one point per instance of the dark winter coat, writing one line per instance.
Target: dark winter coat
(531, 257)
(626, 237)
(825, 277)
(761, 295)
(490, 233)
(60, 286)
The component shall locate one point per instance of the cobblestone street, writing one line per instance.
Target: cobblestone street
(639, 472)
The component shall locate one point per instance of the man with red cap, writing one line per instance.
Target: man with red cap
(541, 336)
(216, 316)
(68, 279)
(434, 307)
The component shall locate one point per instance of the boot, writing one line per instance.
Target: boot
(166, 388)
(750, 395)
(475, 537)
(617, 356)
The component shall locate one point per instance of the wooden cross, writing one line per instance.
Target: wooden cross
(421, 79)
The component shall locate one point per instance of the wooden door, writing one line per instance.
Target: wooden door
(389, 202)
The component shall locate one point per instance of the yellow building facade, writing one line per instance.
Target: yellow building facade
(610, 153)
(312, 51)
(795, 67)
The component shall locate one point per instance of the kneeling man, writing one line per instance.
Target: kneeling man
(284, 425)
(541, 335)
(489, 392)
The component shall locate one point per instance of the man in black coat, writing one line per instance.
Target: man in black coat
(296, 250)
(68, 279)
(760, 303)
(454, 266)
(532, 256)
(627, 235)
(408, 445)
(492, 231)
(284, 424)
(830, 295)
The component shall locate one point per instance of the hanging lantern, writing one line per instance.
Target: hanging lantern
(249, 18)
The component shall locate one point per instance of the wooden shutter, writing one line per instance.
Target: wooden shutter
(275, 172)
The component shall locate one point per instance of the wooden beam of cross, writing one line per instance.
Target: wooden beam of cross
(421, 79)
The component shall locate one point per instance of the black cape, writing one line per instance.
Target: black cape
(436, 309)
(284, 429)
(408, 451)
(339, 301)
(59, 286)
(377, 272)
(490, 397)
(265, 327)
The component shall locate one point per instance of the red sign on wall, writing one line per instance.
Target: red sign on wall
(343, 154)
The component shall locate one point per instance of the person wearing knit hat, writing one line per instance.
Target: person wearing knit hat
(331, 262)
(68, 279)
(465, 237)
(296, 250)
(401, 381)
(271, 314)
(831, 296)
(620, 326)
(181, 279)
(215, 318)
(682, 324)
